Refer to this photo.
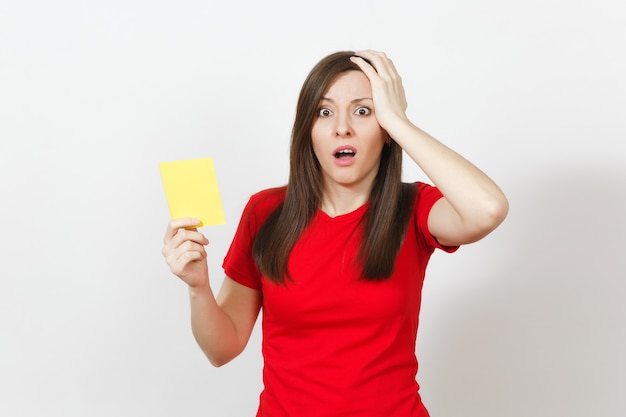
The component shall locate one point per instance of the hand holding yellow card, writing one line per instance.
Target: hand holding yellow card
(191, 190)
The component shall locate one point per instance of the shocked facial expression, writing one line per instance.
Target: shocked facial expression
(347, 139)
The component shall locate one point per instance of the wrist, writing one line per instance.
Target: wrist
(403, 129)
(200, 290)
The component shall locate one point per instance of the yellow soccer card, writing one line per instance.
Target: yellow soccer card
(191, 190)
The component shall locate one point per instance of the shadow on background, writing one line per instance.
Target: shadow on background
(545, 336)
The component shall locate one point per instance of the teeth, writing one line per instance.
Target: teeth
(344, 152)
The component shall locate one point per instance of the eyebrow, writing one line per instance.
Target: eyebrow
(356, 100)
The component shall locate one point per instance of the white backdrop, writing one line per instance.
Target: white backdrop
(93, 95)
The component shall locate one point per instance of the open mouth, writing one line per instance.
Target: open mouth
(344, 153)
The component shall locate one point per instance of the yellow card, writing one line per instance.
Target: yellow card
(191, 190)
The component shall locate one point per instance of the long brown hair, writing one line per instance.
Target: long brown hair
(390, 201)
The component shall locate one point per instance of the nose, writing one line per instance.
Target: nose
(343, 127)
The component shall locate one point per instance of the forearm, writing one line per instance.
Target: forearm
(472, 194)
(212, 328)
(221, 326)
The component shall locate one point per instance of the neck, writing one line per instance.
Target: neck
(340, 200)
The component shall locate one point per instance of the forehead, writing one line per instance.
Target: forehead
(350, 84)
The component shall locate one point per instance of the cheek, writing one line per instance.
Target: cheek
(377, 142)
(318, 130)
(371, 132)
(317, 140)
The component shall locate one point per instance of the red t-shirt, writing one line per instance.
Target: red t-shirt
(334, 344)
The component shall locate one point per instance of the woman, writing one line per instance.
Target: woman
(337, 258)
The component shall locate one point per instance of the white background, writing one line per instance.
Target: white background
(529, 321)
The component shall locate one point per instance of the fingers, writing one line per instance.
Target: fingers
(379, 61)
(177, 234)
(185, 241)
(387, 89)
(181, 239)
(176, 224)
(179, 258)
(183, 249)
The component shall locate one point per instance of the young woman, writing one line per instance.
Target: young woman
(337, 258)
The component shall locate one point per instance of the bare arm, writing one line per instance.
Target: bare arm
(221, 326)
(473, 205)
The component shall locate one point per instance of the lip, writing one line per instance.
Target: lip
(344, 161)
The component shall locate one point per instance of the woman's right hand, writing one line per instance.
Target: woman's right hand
(184, 251)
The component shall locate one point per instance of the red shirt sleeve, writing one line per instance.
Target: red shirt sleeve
(238, 263)
(427, 196)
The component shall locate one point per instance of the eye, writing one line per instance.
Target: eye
(363, 111)
(324, 112)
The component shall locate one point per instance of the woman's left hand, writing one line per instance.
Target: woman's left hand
(387, 90)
